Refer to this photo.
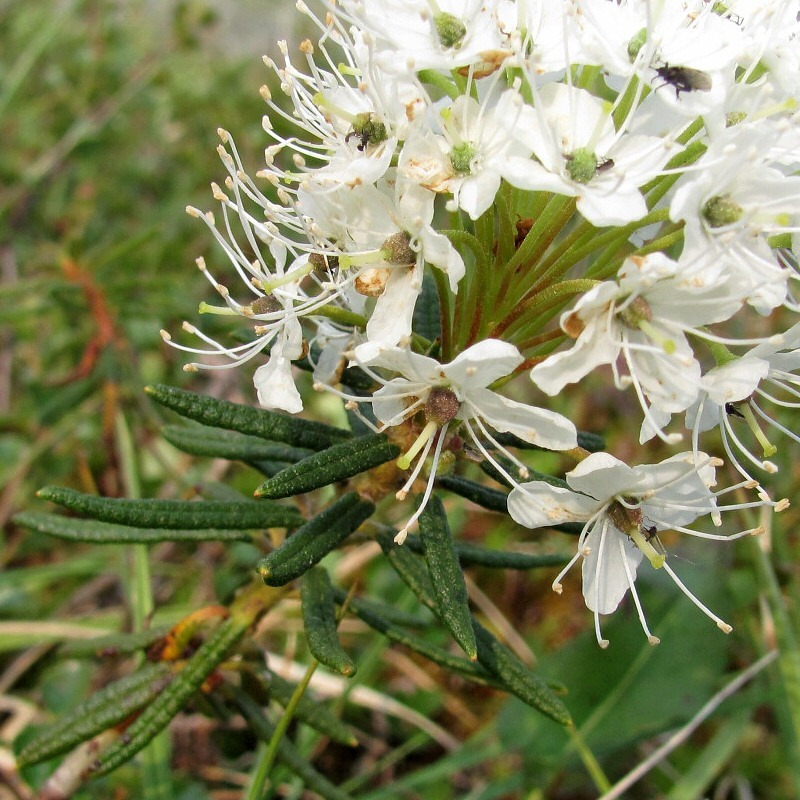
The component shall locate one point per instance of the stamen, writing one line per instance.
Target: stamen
(632, 585)
(721, 624)
(401, 535)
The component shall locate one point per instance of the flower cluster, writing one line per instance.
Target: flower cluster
(457, 193)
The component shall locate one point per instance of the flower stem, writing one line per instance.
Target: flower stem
(591, 763)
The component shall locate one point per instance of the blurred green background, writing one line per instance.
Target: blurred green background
(108, 118)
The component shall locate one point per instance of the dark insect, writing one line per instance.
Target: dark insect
(363, 136)
(651, 535)
(732, 411)
(605, 164)
(683, 79)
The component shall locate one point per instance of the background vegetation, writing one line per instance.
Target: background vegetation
(108, 120)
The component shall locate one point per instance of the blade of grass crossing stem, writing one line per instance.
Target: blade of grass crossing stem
(156, 779)
(287, 753)
(258, 783)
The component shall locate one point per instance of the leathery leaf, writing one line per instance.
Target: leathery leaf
(319, 621)
(175, 514)
(217, 443)
(313, 541)
(337, 463)
(517, 678)
(244, 419)
(447, 578)
(89, 530)
(157, 715)
(102, 710)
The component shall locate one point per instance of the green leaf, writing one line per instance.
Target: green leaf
(518, 678)
(104, 709)
(157, 715)
(426, 320)
(115, 644)
(493, 499)
(218, 443)
(337, 463)
(314, 540)
(319, 621)
(245, 419)
(475, 555)
(175, 514)
(87, 530)
(379, 622)
(447, 578)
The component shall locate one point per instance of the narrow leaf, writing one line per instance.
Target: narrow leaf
(218, 443)
(99, 712)
(158, 714)
(287, 752)
(314, 540)
(413, 641)
(112, 645)
(337, 463)
(86, 530)
(493, 499)
(447, 578)
(319, 621)
(245, 419)
(475, 555)
(518, 678)
(175, 514)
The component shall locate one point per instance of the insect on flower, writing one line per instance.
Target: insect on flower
(683, 79)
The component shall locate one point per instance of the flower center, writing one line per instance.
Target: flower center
(450, 30)
(721, 210)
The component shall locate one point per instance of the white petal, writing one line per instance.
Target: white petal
(538, 504)
(482, 364)
(601, 475)
(275, 385)
(394, 309)
(538, 426)
(604, 578)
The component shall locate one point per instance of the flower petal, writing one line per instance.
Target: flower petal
(538, 426)
(538, 504)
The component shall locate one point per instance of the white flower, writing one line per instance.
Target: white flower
(736, 198)
(580, 154)
(476, 146)
(412, 35)
(644, 319)
(736, 389)
(456, 392)
(623, 509)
